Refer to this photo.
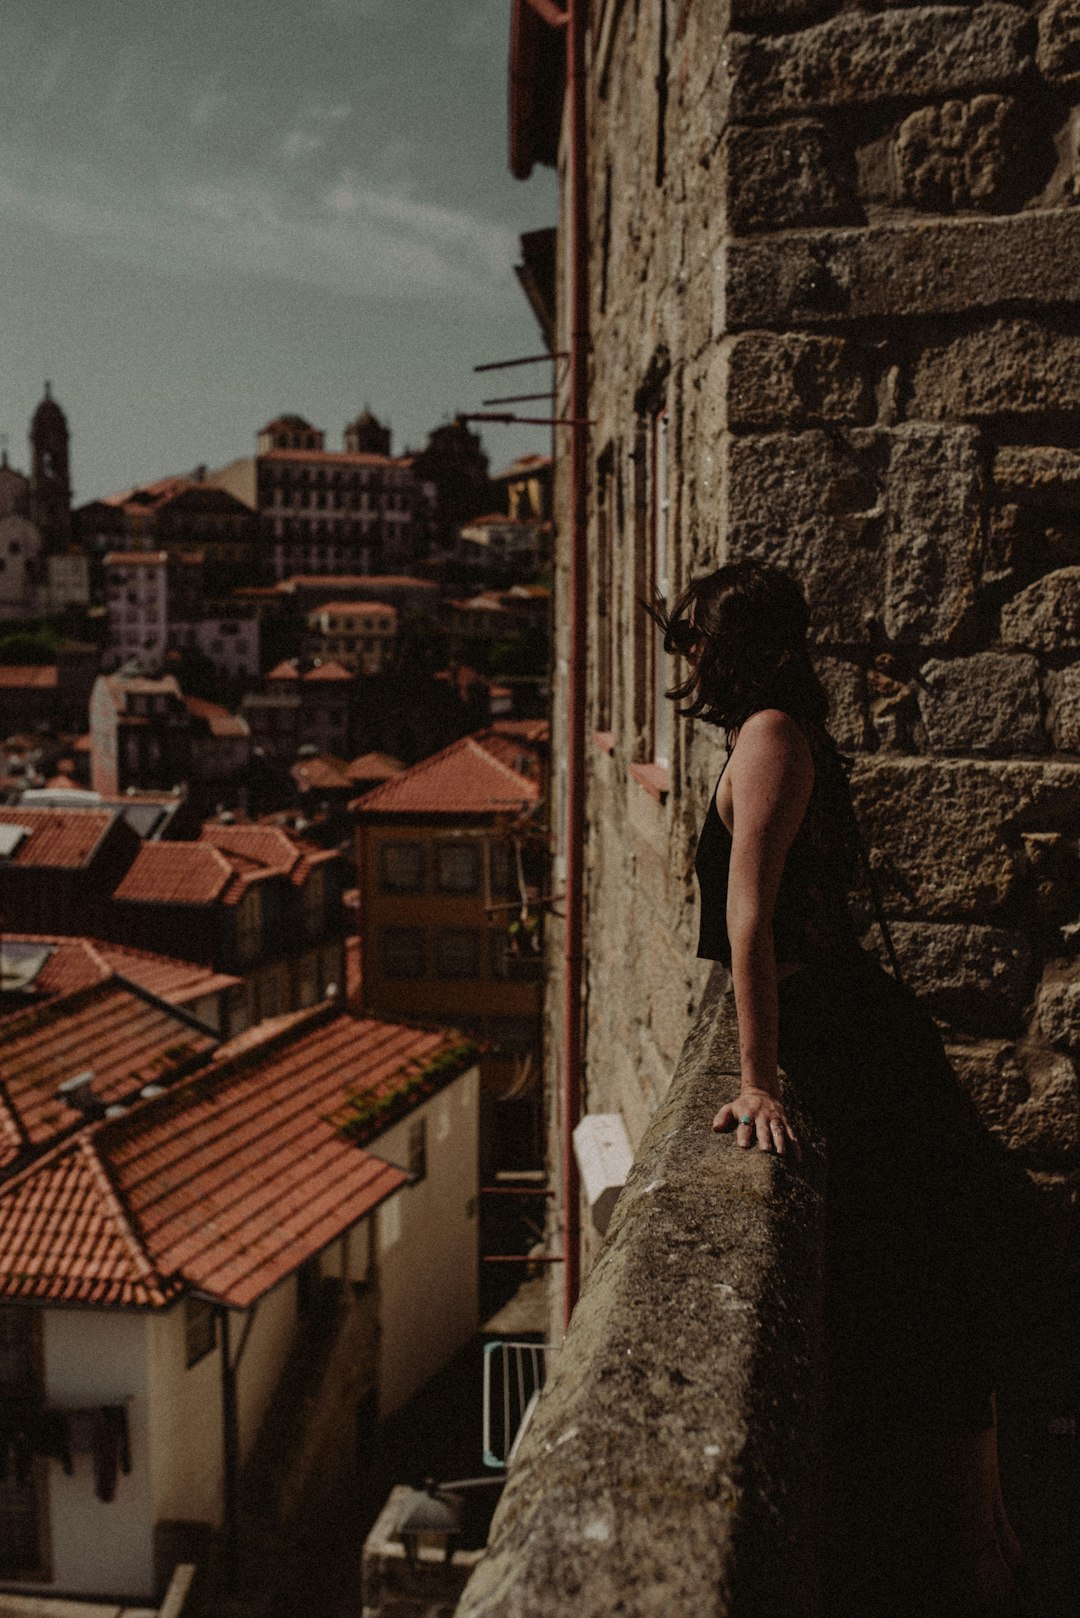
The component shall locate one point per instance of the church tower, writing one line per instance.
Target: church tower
(50, 473)
(366, 435)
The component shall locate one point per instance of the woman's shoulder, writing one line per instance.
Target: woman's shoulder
(774, 726)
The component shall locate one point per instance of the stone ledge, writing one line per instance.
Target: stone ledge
(923, 52)
(893, 270)
(674, 1461)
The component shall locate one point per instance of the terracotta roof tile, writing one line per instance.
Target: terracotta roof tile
(220, 721)
(471, 776)
(57, 838)
(227, 1183)
(65, 1238)
(375, 767)
(176, 873)
(75, 963)
(29, 676)
(351, 581)
(125, 1039)
(537, 731)
(320, 775)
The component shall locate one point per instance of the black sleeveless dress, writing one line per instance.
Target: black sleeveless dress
(913, 1296)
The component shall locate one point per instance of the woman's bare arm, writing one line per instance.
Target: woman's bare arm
(771, 774)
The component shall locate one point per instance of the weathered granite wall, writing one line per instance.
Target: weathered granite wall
(841, 246)
(674, 1465)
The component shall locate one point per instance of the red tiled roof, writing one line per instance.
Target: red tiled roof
(176, 873)
(356, 606)
(374, 767)
(327, 671)
(65, 1237)
(57, 837)
(125, 1039)
(218, 718)
(268, 848)
(471, 776)
(227, 1183)
(320, 775)
(77, 962)
(63, 783)
(28, 676)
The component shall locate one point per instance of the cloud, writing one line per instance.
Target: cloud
(355, 235)
(301, 143)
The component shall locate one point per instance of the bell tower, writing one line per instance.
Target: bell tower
(50, 473)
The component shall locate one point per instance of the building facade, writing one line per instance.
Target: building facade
(157, 606)
(324, 511)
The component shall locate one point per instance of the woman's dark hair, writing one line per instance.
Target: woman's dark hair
(750, 620)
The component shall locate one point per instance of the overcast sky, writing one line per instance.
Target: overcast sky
(215, 210)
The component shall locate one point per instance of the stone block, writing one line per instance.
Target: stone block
(845, 686)
(988, 703)
(796, 381)
(1058, 51)
(891, 270)
(975, 978)
(1046, 616)
(950, 833)
(876, 524)
(811, 502)
(1006, 368)
(1057, 1007)
(992, 1073)
(933, 504)
(1046, 1127)
(925, 52)
(959, 154)
(1040, 474)
(1063, 708)
(781, 175)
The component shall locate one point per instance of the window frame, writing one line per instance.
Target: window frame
(470, 847)
(386, 935)
(396, 844)
(475, 935)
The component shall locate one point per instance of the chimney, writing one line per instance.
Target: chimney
(78, 1092)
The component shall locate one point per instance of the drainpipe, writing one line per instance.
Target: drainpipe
(575, 694)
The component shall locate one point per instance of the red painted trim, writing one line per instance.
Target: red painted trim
(655, 778)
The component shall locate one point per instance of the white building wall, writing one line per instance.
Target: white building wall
(269, 1343)
(428, 1245)
(185, 1425)
(93, 1358)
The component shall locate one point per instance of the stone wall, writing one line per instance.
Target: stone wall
(841, 248)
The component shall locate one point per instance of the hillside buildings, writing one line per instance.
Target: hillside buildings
(42, 569)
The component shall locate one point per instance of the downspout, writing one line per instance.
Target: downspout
(576, 622)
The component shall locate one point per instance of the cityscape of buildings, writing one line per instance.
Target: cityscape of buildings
(273, 862)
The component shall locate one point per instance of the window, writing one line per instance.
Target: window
(417, 1159)
(457, 952)
(403, 953)
(457, 867)
(200, 1330)
(401, 867)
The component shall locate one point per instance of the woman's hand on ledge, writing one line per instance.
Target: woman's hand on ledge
(758, 1115)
